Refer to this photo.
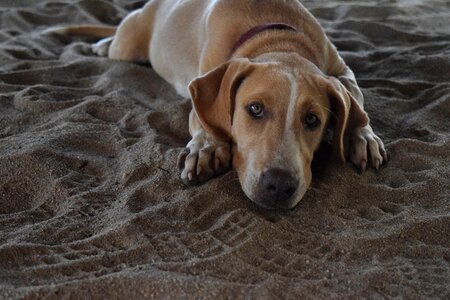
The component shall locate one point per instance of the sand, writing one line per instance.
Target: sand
(91, 203)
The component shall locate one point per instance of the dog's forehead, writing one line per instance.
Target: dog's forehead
(309, 86)
(269, 81)
(286, 87)
(301, 88)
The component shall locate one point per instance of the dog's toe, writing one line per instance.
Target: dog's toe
(358, 154)
(182, 158)
(189, 174)
(222, 157)
(204, 164)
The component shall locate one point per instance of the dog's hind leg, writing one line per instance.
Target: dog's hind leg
(132, 39)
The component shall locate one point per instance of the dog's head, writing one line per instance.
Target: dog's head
(274, 110)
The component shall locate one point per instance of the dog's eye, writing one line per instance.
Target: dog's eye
(256, 110)
(311, 121)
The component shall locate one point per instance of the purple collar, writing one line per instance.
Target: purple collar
(257, 29)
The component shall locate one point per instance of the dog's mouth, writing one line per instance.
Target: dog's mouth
(275, 204)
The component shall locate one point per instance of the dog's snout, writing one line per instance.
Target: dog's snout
(279, 184)
(276, 186)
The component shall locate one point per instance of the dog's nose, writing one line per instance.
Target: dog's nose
(277, 186)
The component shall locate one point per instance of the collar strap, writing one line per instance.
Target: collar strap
(257, 29)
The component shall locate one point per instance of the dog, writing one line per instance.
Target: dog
(265, 83)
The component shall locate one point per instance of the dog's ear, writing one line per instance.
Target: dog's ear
(348, 113)
(213, 96)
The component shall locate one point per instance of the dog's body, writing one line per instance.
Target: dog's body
(263, 78)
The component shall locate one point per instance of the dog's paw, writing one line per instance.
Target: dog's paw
(202, 159)
(363, 143)
(101, 48)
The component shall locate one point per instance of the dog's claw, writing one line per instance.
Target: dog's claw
(377, 164)
(216, 163)
(363, 165)
(385, 156)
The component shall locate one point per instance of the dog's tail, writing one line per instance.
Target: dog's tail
(100, 31)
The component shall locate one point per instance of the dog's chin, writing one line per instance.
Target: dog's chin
(291, 204)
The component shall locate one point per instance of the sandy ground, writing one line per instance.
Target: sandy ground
(90, 198)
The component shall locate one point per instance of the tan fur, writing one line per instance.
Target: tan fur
(189, 43)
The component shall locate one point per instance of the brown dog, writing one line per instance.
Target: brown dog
(264, 82)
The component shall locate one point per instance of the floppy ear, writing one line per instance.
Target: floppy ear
(213, 96)
(348, 112)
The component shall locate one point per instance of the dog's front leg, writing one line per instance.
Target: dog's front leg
(362, 140)
(204, 156)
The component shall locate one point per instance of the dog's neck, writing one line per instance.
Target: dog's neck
(273, 43)
(258, 29)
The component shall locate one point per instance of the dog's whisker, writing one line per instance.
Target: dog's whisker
(327, 109)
